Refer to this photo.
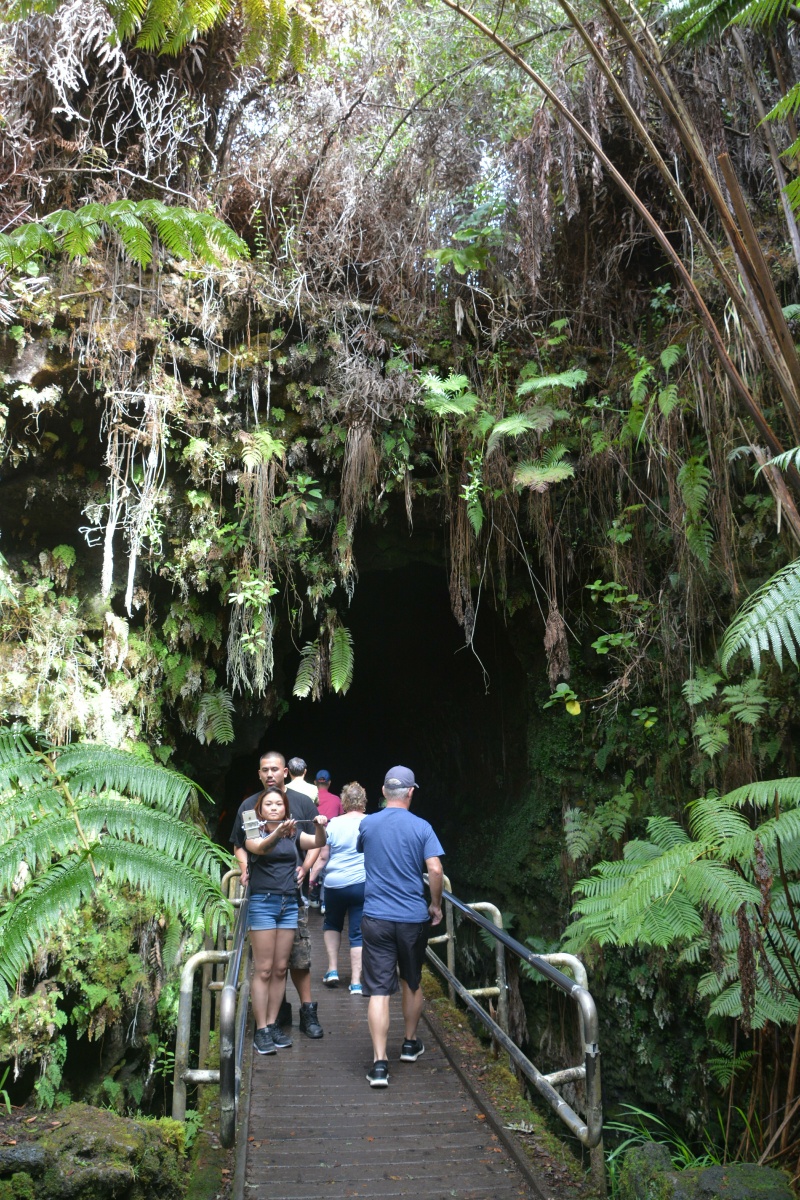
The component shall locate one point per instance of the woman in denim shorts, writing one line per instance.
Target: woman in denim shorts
(344, 886)
(274, 856)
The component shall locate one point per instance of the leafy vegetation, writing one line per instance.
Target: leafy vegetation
(74, 815)
(497, 298)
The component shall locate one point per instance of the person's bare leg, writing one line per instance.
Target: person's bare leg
(263, 944)
(302, 981)
(277, 984)
(378, 1020)
(355, 964)
(332, 939)
(412, 1009)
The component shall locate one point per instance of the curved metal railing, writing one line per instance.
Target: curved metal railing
(589, 1131)
(232, 1015)
(234, 1000)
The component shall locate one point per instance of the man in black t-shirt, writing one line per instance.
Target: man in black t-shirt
(272, 770)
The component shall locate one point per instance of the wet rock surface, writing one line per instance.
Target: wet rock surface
(648, 1172)
(85, 1153)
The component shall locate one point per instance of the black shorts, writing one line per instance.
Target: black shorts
(387, 946)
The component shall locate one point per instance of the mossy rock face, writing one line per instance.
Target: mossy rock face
(739, 1181)
(96, 1154)
(648, 1174)
(19, 1187)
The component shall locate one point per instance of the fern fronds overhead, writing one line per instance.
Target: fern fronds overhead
(183, 232)
(92, 768)
(768, 620)
(698, 22)
(70, 816)
(280, 32)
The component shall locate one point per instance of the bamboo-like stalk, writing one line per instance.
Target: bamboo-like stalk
(766, 336)
(791, 1084)
(761, 281)
(738, 384)
(769, 140)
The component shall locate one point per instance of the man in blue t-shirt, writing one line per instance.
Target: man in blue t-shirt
(398, 848)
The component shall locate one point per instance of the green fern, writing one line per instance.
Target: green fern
(308, 673)
(184, 233)
(75, 814)
(659, 892)
(711, 733)
(451, 397)
(280, 32)
(537, 420)
(539, 383)
(538, 475)
(768, 620)
(341, 659)
(214, 718)
(746, 701)
(702, 687)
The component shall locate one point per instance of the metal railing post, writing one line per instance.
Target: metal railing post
(205, 1006)
(501, 991)
(588, 1132)
(230, 1046)
(182, 1075)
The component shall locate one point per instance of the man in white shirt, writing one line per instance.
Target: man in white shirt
(297, 778)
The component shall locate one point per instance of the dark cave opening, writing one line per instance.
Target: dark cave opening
(419, 697)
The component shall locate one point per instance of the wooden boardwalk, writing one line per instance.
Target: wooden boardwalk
(316, 1127)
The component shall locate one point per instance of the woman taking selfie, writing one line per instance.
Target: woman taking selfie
(275, 848)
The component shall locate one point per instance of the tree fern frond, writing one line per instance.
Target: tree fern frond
(180, 888)
(549, 469)
(100, 768)
(25, 924)
(448, 397)
(176, 840)
(714, 822)
(666, 832)
(184, 233)
(15, 746)
(758, 13)
(768, 619)
(789, 458)
(100, 810)
(698, 22)
(36, 845)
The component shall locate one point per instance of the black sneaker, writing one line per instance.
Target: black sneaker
(411, 1050)
(280, 1040)
(309, 1022)
(284, 1013)
(379, 1075)
(262, 1041)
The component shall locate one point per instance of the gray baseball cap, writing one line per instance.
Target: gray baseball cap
(399, 777)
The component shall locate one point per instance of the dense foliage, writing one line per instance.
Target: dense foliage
(524, 281)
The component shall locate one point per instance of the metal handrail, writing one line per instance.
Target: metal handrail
(590, 1131)
(232, 1023)
(232, 1014)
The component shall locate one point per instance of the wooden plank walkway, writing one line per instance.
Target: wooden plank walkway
(317, 1129)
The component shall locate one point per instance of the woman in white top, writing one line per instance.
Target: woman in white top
(344, 886)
